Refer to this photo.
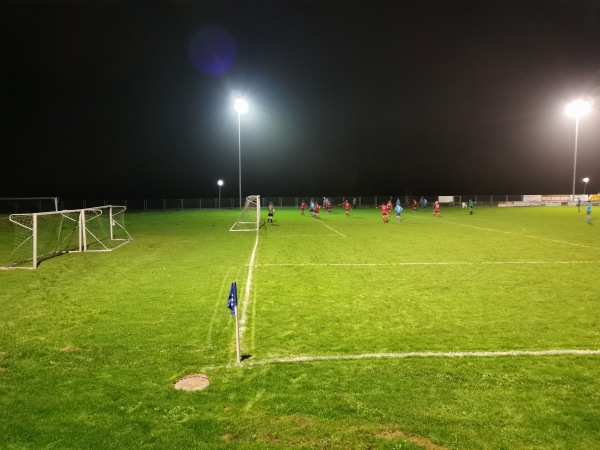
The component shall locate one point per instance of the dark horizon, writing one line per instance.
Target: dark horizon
(112, 100)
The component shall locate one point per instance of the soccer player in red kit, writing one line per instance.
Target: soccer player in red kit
(436, 209)
(347, 206)
(302, 207)
(317, 211)
(384, 212)
(414, 205)
(389, 206)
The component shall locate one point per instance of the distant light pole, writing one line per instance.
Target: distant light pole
(577, 109)
(241, 107)
(220, 183)
(585, 180)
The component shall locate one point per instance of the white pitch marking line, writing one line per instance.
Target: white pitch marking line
(246, 299)
(442, 263)
(517, 234)
(478, 354)
(424, 354)
(335, 231)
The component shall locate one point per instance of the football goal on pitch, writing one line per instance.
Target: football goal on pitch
(249, 219)
(39, 236)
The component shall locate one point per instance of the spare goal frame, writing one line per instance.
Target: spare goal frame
(39, 236)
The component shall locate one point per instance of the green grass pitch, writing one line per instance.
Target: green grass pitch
(477, 331)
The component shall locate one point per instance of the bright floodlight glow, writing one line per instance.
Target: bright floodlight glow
(220, 182)
(586, 179)
(241, 105)
(578, 108)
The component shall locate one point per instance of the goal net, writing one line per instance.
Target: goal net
(249, 219)
(39, 236)
(14, 205)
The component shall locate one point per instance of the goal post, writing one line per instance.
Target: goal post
(40, 236)
(249, 219)
(103, 228)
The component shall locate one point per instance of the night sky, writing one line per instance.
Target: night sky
(134, 99)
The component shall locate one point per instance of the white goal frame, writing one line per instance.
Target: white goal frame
(98, 229)
(249, 219)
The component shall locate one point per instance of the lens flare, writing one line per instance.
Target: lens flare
(212, 51)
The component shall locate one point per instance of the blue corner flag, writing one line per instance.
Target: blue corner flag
(232, 300)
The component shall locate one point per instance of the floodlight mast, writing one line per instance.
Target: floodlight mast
(241, 107)
(577, 109)
(220, 183)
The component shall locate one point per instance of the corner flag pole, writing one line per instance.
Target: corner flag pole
(237, 336)
(232, 304)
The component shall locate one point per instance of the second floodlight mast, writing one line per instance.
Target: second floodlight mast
(241, 107)
(577, 109)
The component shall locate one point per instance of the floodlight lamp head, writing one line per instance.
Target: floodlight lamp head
(220, 182)
(578, 108)
(240, 105)
(586, 179)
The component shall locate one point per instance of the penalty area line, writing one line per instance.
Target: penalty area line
(517, 234)
(335, 231)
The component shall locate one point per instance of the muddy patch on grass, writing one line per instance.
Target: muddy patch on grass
(419, 440)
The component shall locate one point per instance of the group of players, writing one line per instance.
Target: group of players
(386, 208)
(315, 207)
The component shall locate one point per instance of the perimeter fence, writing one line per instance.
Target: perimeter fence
(181, 204)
